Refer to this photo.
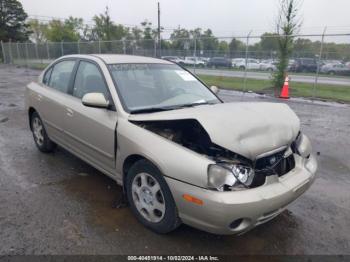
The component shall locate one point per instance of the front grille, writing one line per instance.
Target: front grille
(275, 164)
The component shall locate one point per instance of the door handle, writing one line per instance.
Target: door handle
(69, 112)
(39, 97)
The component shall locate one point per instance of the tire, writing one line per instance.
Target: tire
(156, 209)
(242, 68)
(42, 141)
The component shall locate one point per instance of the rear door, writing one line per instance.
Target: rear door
(50, 99)
(91, 131)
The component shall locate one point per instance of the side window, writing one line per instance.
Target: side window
(46, 77)
(61, 74)
(89, 80)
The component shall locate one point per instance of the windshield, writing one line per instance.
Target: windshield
(146, 86)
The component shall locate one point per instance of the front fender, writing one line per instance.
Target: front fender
(172, 159)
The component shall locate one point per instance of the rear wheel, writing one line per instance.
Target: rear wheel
(150, 198)
(41, 139)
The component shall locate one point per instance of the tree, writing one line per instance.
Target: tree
(223, 47)
(13, 21)
(236, 46)
(106, 30)
(287, 25)
(180, 39)
(67, 31)
(38, 30)
(136, 33)
(269, 42)
(148, 35)
(306, 46)
(209, 41)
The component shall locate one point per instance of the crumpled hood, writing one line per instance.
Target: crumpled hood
(247, 128)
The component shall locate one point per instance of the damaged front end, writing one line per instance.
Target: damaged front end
(231, 171)
(190, 134)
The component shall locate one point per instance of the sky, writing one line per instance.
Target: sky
(224, 17)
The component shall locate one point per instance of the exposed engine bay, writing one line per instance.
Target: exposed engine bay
(190, 134)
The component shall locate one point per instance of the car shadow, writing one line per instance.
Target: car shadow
(98, 193)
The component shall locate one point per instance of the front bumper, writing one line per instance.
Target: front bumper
(247, 208)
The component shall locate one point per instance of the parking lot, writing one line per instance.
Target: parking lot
(57, 204)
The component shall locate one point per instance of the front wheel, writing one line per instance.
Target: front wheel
(41, 139)
(150, 198)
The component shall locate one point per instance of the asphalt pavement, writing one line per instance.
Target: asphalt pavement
(57, 204)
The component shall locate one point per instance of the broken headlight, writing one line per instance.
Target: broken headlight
(303, 146)
(224, 177)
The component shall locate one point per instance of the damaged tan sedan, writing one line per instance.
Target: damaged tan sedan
(180, 153)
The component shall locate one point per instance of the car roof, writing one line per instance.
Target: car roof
(125, 59)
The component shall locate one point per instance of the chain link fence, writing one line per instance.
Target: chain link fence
(319, 66)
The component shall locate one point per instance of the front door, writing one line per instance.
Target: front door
(91, 131)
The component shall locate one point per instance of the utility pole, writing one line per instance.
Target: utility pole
(159, 40)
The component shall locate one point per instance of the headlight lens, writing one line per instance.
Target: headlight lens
(219, 177)
(231, 176)
(303, 146)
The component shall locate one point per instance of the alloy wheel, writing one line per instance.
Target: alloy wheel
(148, 197)
(38, 131)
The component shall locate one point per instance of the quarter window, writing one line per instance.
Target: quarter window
(89, 80)
(47, 75)
(61, 75)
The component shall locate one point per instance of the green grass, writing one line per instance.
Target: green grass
(324, 92)
(39, 66)
(267, 72)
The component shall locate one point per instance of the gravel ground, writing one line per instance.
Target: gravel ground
(57, 204)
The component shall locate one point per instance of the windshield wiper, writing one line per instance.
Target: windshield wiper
(195, 104)
(167, 108)
(151, 110)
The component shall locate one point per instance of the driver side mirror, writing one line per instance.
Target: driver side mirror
(95, 100)
(214, 89)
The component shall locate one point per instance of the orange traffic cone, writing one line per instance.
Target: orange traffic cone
(285, 89)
